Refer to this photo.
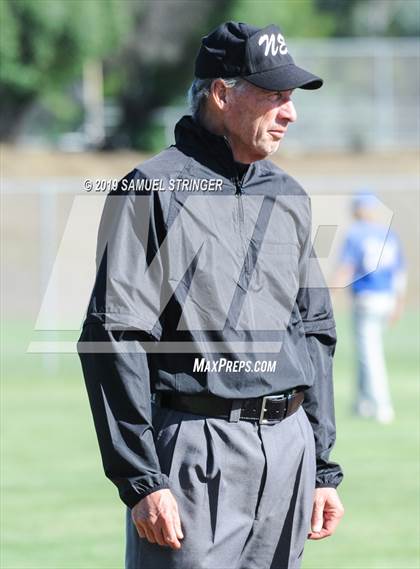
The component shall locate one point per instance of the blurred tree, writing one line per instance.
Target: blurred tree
(43, 44)
(296, 18)
(156, 64)
(341, 12)
(373, 17)
(148, 49)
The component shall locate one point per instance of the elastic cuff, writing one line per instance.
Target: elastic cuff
(131, 498)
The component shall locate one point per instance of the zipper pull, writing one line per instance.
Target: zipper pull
(238, 185)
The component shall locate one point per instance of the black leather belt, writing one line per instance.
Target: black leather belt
(264, 410)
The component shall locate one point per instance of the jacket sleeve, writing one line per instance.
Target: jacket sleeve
(315, 307)
(120, 318)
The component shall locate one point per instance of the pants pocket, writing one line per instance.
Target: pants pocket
(167, 429)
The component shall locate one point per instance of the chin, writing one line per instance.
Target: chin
(262, 151)
(273, 148)
(266, 150)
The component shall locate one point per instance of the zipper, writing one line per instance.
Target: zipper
(241, 221)
(238, 182)
(238, 194)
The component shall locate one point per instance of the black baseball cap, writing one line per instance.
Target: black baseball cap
(259, 55)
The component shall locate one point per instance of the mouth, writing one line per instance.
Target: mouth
(277, 134)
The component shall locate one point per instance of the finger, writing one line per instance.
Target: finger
(317, 516)
(158, 535)
(331, 522)
(169, 533)
(149, 534)
(330, 525)
(164, 537)
(140, 531)
(139, 527)
(319, 535)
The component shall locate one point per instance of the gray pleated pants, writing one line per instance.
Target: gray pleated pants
(244, 493)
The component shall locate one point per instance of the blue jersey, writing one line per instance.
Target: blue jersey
(375, 254)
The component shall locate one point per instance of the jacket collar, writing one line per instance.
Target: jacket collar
(211, 150)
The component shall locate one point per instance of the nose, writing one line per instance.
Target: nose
(288, 111)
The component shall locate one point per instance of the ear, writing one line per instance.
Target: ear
(218, 93)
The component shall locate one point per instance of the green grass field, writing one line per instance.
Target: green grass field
(58, 510)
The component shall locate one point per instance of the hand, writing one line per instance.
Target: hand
(156, 518)
(326, 513)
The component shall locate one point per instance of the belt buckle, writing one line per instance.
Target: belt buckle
(262, 420)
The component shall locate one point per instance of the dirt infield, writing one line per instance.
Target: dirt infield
(22, 163)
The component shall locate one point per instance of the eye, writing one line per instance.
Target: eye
(278, 96)
(274, 96)
(284, 96)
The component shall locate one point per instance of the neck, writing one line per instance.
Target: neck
(215, 125)
(211, 123)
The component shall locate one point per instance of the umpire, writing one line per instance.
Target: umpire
(208, 342)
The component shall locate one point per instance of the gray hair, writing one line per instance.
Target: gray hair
(200, 89)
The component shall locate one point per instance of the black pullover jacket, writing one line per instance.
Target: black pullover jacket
(203, 272)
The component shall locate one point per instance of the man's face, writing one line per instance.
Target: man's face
(256, 120)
